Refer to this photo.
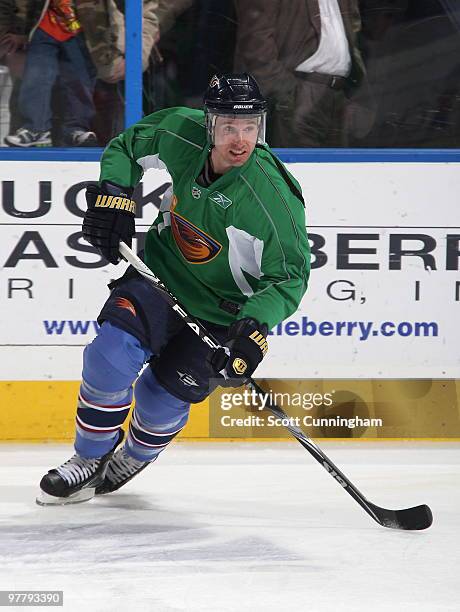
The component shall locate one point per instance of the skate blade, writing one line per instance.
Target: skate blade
(44, 499)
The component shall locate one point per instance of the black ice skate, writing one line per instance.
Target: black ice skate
(120, 470)
(75, 480)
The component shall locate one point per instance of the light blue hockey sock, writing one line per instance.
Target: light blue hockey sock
(111, 363)
(157, 418)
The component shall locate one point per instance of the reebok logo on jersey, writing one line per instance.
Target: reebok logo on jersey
(196, 193)
(260, 340)
(194, 244)
(124, 303)
(220, 199)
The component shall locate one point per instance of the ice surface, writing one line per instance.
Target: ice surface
(217, 527)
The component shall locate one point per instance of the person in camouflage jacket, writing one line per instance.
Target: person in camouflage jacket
(103, 30)
(102, 25)
(56, 49)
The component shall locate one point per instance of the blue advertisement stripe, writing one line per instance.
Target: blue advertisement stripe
(290, 156)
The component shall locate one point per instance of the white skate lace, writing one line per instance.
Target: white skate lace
(122, 466)
(77, 469)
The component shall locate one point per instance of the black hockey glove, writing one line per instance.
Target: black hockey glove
(247, 344)
(109, 218)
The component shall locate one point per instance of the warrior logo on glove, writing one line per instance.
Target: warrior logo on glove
(109, 201)
(246, 347)
(261, 341)
(109, 218)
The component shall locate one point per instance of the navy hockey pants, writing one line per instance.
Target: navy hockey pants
(138, 327)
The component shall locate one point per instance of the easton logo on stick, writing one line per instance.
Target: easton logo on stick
(334, 474)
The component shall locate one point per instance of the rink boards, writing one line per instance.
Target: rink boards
(377, 331)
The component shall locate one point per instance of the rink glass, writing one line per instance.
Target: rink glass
(410, 96)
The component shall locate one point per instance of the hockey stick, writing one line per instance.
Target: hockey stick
(418, 517)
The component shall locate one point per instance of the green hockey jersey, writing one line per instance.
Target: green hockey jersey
(235, 249)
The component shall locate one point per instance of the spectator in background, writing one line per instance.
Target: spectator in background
(162, 82)
(412, 50)
(209, 46)
(106, 43)
(11, 38)
(56, 49)
(197, 39)
(104, 28)
(12, 54)
(305, 57)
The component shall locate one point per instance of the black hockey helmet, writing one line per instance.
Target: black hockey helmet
(234, 95)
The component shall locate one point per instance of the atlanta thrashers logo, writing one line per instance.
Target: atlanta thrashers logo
(194, 244)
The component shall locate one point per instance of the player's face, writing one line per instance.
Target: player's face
(234, 141)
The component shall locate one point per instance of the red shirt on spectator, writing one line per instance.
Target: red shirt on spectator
(60, 20)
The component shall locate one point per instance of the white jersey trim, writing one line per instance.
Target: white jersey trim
(244, 255)
(151, 161)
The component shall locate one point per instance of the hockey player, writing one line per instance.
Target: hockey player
(229, 242)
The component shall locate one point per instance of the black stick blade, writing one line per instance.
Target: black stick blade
(417, 518)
